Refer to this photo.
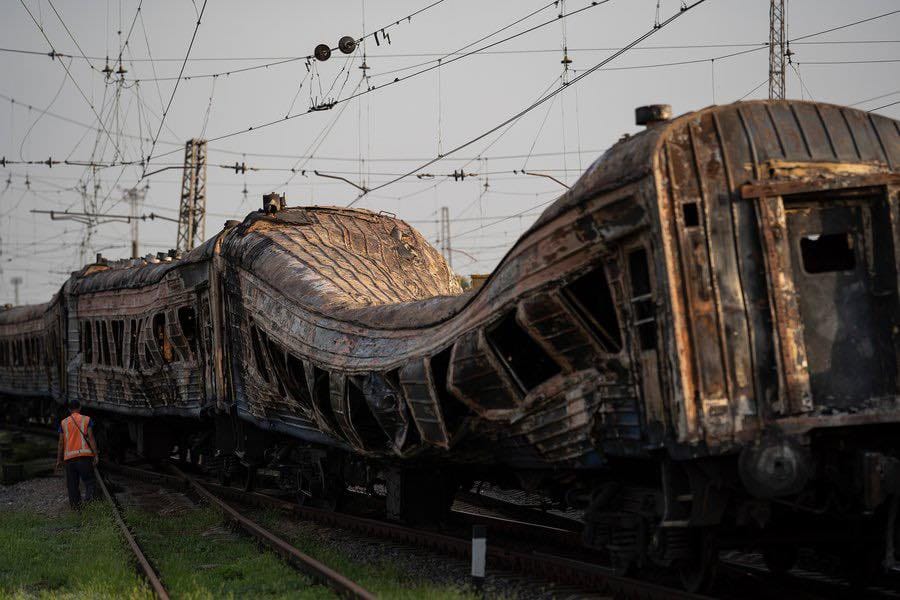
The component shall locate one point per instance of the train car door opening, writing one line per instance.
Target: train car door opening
(842, 263)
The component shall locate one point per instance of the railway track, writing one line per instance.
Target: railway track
(147, 569)
(320, 572)
(563, 570)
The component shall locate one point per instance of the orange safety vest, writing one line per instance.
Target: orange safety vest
(77, 444)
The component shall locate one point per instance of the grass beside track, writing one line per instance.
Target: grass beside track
(384, 578)
(197, 557)
(74, 555)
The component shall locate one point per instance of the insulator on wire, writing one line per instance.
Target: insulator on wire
(347, 44)
(322, 52)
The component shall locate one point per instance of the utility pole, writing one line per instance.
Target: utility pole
(777, 50)
(16, 282)
(135, 197)
(446, 250)
(192, 210)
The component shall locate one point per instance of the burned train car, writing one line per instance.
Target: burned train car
(700, 336)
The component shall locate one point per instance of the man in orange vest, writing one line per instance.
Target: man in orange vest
(78, 448)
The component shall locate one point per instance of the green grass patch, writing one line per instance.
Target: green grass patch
(384, 578)
(198, 557)
(75, 555)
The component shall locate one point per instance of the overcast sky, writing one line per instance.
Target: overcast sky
(379, 135)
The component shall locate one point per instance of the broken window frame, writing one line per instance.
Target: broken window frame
(505, 353)
(642, 325)
(609, 344)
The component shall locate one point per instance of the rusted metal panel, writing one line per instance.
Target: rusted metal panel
(839, 133)
(698, 281)
(416, 379)
(734, 328)
(843, 181)
(889, 136)
(814, 133)
(786, 313)
(790, 136)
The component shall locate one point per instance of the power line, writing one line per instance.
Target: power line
(174, 89)
(69, 74)
(276, 60)
(546, 97)
(885, 106)
(264, 125)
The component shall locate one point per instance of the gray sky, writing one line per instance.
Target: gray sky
(386, 132)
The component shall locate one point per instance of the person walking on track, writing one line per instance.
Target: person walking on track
(78, 450)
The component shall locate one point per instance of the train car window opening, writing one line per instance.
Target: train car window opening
(87, 341)
(103, 336)
(187, 319)
(525, 360)
(258, 359)
(149, 361)
(118, 333)
(161, 336)
(277, 361)
(642, 303)
(134, 336)
(363, 421)
(691, 214)
(590, 296)
(453, 410)
(295, 380)
(322, 397)
(828, 252)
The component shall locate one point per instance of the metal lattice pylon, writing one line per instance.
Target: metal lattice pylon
(777, 54)
(192, 210)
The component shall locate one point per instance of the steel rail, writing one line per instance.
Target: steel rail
(556, 568)
(151, 576)
(317, 570)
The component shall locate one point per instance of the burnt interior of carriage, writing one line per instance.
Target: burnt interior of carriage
(844, 267)
(590, 299)
(363, 421)
(321, 395)
(453, 412)
(524, 359)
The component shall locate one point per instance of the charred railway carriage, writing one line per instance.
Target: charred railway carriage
(701, 334)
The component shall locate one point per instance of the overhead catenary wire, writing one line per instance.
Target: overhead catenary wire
(174, 89)
(547, 96)
(373, 88)
(391, 55)
(70, 76)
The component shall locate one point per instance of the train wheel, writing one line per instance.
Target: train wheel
(698, 572)
(780, 558)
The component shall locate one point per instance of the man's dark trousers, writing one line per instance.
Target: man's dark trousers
(80, 469)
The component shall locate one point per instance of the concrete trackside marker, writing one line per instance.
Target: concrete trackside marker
(479, 553)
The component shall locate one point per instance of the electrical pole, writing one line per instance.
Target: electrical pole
(446, 250)
(192, 210)
(16, 282)
(135, 196)
(777, 50)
